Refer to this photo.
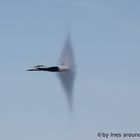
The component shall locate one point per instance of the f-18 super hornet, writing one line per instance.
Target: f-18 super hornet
(58, 68)
(65, 69)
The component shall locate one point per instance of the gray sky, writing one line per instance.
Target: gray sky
(105, 37)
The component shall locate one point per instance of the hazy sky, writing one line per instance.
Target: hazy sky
(105, 36)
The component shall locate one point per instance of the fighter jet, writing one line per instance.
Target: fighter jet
(59, 68)
(65, 69)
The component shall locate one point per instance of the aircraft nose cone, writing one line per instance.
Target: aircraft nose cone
(29, 70)
(32, 69)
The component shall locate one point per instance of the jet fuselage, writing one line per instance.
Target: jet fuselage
(50, 69)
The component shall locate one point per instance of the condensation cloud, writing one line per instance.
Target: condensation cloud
(67, 78)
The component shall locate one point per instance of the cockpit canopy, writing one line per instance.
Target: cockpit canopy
(38, 66)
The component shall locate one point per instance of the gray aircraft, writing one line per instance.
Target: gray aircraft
(59, 68)
(65, 69)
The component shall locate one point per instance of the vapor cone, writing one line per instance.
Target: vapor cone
(67, 77)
